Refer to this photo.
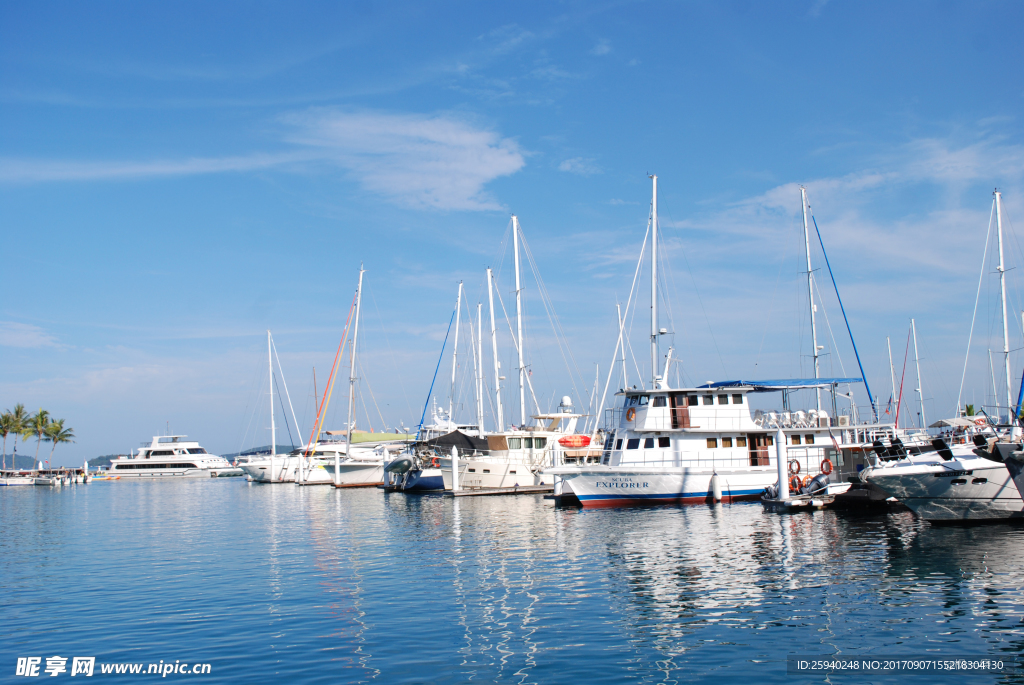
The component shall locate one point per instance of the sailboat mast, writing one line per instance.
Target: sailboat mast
(917, 363)
(654, 284)
(351, 384)
(273, 429)
(480, 369)
(455, 352)
(892, 370)
(494, 348)
(519, 324)
(1002, 292)
(810, 293)
(622, 346)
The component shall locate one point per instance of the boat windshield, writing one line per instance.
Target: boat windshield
(196, 450)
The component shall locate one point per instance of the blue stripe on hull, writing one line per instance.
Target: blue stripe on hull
(674, 497)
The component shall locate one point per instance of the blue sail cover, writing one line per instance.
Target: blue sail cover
(787, 384)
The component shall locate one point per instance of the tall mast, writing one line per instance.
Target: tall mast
(480, 369)
(917, 363)
(519, 325)
(273, 430)
(1002, 292)
(654, 284)
(810, 292)
(622, 346)
(494, 348)
(892, 371)
(351, 384)
(455, 353)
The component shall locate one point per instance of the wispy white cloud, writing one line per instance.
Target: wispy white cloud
(14, 170)
(423, 161)
(580, 165)
(603, 47)
(14, 334)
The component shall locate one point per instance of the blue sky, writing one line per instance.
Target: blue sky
(177, 178)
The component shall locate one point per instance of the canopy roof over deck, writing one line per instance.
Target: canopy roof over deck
(787, 384)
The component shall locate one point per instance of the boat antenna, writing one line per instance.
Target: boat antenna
(655, 377)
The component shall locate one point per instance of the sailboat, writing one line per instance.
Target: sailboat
(964, 483)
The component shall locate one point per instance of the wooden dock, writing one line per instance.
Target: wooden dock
(519, 490)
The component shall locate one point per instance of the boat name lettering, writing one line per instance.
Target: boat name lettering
(953, 474)
(621, 483)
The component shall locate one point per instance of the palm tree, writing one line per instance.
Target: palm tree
(57, 433)
(37, 425)
(15, 422)
(5, 430)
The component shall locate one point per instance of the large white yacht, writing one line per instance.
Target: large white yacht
(171, 456)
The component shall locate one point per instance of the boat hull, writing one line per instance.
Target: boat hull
(357, 474)
(975, 490)
(284, 470)
(485, 474)
(421, 480)
(611, 486)
(11, 481)
(177, 473)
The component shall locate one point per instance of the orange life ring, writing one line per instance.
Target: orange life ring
(979, 422)
(794, 483)
(794, 466)
(630, 413)
(807, 479)
(826, 466)
(435, 462)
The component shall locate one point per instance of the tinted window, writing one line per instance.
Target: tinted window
(723, 399)
(632, 443)
(692, 400)
(648, 443)
(708, 399)
(618, 444)
(659, 401)
(196, 450)
(161, 453)
(737, 399)
(664, 442)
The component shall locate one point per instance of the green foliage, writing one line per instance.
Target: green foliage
(57, 433)
(969, 409)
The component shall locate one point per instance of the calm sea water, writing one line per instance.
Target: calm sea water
(307, 585)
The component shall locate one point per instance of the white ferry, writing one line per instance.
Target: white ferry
(171, 456)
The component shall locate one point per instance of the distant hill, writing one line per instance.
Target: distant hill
(102, 461)
(265, 449)
(24, 462)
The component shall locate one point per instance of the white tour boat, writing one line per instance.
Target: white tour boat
(171, 456)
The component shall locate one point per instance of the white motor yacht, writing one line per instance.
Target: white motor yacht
(171, 456)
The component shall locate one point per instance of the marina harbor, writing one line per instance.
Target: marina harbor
(521, 343)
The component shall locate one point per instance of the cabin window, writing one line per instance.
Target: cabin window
(741, 442)
(527, 443)
(539, 443)
(162, 453)
(618, 444)
(643, 400)
(712, 443)
(664, 441)
(809, 439)
(633, 443)
(487, 470)
(631, 401)
(659, 401)
(691, 400)
(472, 470)
(515, 443)
(512, 472)
(648, 443)
(794, 440)
(196, 450)
(737, 399)
(708, 400)
(723, 399)
(726, 442)
(769, 440)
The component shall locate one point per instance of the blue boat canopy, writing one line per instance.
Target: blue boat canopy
(787, 384)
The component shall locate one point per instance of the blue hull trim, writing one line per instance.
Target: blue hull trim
(667, 497)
